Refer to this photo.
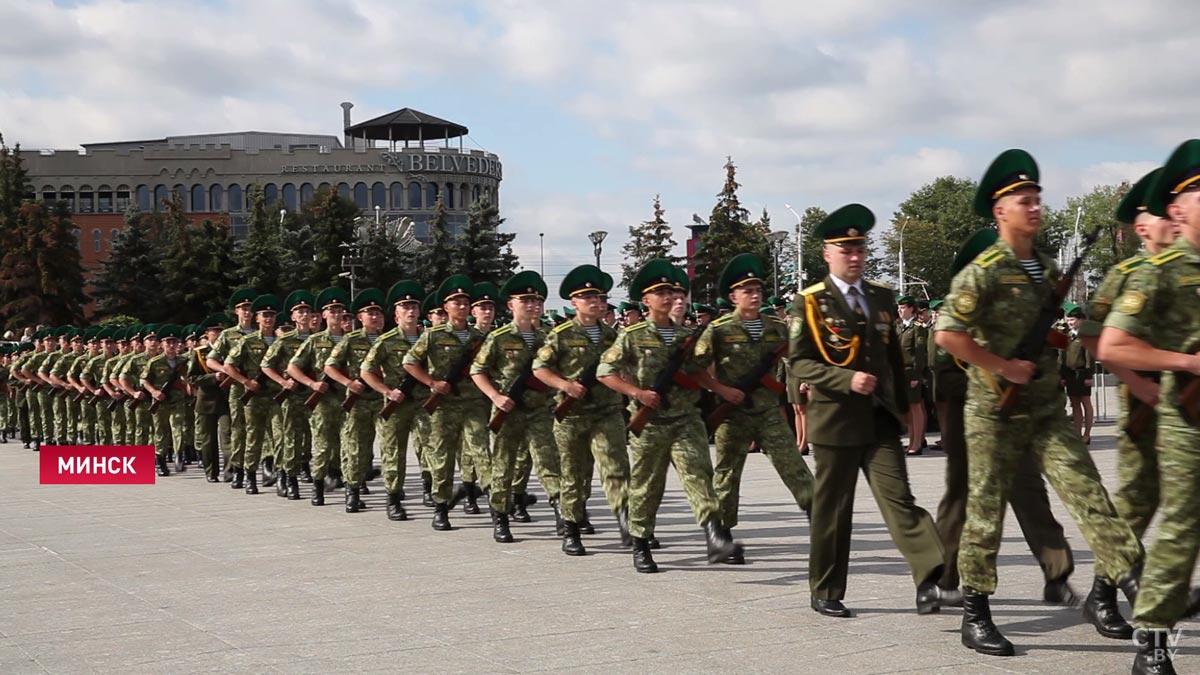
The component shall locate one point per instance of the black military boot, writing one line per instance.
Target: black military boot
(212, 473)
(978, 631)
(441, 517)
(318, 498)
(560, 527)
(721, 547)
(571, 543)
(738, 556)
(585, 525)
(1101, 610)
(227, 474)
(161, 461)
(426, 489)
(460, 493)
(353, 500)
(306, 473)
(642, 560)
(180, 466)
(520, 510)
(1130, 582)
(1059, 592)
(251, 483)
(622, 515)
(281, 484)
(1153, 653)
(238, 474)
(293, 492)
(267, 469)
(500, 531)
(362, 488)
(394, 510)
(472, 505)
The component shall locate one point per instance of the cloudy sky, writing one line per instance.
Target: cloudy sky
(594, 107)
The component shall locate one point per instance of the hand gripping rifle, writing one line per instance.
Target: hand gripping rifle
(458, 370)
(524, 381)
(1042, 333)
(759, 377)
(315, 397)
(167, 384)
(667, 378)
(588, 379)
(406, 387)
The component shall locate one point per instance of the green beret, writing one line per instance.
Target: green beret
(906, 300)
(431, 305)
(681, 282)
(454, 286)
(975, 244)
(149, 330)
(701, 308)
(1180, 173)
(524, 284)
(744, 268)
(847, 225)
(1013, 169)
(107, 333)
(189, 332)
(332, 296)
(776, 302)
(628, 306)
(91, 333)
(652, 276)
(569, 312)
(241, 297)
(724, 303)
(218, 320)
(268, 302)
(484, 291)
(582, 280)
(934, 304)
(1134, 201)
(766, 309)
(169, 330)
(1072, 309)
(405, 290)
(368, 298)
(63, 331)
(298, 299)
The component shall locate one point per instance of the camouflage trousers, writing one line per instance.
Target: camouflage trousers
(189, 423)
(420, 434)
(524, 428)
(264, 429)
(294, 435)
(143, 425)
(540, 455)
(325, 425)
(46, 415)
(1029, 500)
(358, 440)
(584, 442)
(87, 423)
(64, 432)
(1167, 576)
(104, 423)
(210, 429)
(117, 422)
(447, 435)
(237, 426)
(778, 443)
(1136, 497)
(994, 450)
(394, 433)
(34, 401)
(170, 420)
(681, 442)
(474, 452)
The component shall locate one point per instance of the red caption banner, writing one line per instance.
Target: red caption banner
(97, 465)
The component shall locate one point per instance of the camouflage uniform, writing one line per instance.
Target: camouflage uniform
(1160, 303)
(169, 419)
(504, 357)
(66, 397)
(386, 359)
(32, 397)
(359, 430)
(117, 414)
(727, 343)
(593, 433)
(326, 420)
(293, 415)
(211, 409)
(675, 435)
(237, 410)
(137, 419)
(991, 299)
(100, 417)
(437, 350)
(51, 423)
(1136, 496)
(262, 415)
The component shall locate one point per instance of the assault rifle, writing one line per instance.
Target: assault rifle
(351, 396)
(668, 377)
(759, 377)
(588, 379)
(406, 387)
(457, 370)
(315, 397)
(262, 380)
(1141, 415)
(167, 384)
(524, 381)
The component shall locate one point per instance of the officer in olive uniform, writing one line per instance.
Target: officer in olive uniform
(164, 378)
(308, 368)
(1155, 325)
(993, 301)
(746, 348)
(244, 365)
(343, 366)
(293, 415)
(383, 370)
(674, 434)
(914, 337)
(432, 360)
(212, 406)
(240, 302)
(844, 344)
(589, 428)
(1028, 498)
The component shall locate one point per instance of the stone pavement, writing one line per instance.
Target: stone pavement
(189, 577)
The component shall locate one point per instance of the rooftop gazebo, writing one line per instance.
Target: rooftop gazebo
(406, 125)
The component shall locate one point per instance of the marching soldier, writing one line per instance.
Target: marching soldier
(844, 345)
(52, 422)
(743, 348)
(163, 377)
(343, 366)
(591, 431)
(211, 410)
(294, 424)
(244, 365)
(240, 302)
(93, 380)
(989, 304)
(674, 434)
(112, 387)
(475, 454)
(1154, 325)
(136, 412)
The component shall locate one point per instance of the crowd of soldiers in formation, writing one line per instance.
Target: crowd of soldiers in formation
(300, 390)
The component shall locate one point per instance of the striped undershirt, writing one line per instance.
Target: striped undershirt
(668, 334)
(372, 338)
(754, 327)
(463, 335)
(268, 340)
(335, 338)
(593, 333)
(1033, 267)
(529, 338)
(412, 339)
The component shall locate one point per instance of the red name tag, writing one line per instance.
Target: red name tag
(97, 465)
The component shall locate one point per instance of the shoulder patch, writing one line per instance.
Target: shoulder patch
(989, 258)
(637, 326)
(507, 328)
(561, 327)
(815, 288)
(1164, 257)
(441, 327)
(721, 321)
(391, 333)
(1131, 264)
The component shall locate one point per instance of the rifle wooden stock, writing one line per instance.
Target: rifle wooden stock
(1141, 416)
(282, 395)
(224, 381)
(314, 398)
(351, 397)
(155, 404)
(639, 419)
(80, 396)
(497, 421)
(432, 403)
(719, 415)
(564, 407)
(1188, 402)
(406, 387)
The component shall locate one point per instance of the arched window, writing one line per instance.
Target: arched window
(360, 196)
(66, 194)
(87, 199)
(306, 193)
(448, 195)
(104, 199)
(143, 198)
(397, 194)
(414, 195)
(431, 195)
(197, 201)
(289, 197)
(96, 240)
(270, 194)
(216, 197)
(160, 196)
(235, 199)
(324, 186)
(474, 194)
(181, 193)
(49, 194)
(122, 198)
(344, 191)
(379, 196)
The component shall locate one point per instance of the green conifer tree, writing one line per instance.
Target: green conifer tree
(730, 232)
(130, 281)
(648, 240)
(482, 250)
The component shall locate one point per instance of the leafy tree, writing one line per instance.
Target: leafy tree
(946, 202)
(482, 250)
(296, 264)
(14, 183)
(120, 321)
(814, 265)
(648, 240)
(327, 222)
(130, 282)
(437, 259)
(260, 258)
(383, 263)
(730, 232)
(55, 240)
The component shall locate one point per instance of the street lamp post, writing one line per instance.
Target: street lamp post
(776, 239)
(799, 250)
(542, 254)
(597, 238)
(900, 255)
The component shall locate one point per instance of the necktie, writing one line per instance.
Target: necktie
(856, 301)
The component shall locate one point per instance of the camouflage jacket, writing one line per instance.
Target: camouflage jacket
(386, 359)
(280, 353)
(568, 352)
(246, 355)
(726, 343)
(639, 354)
(348, 357)
(157, 371)
(1109, 290)
(504, 357)
(311, 355)
(438, 349)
